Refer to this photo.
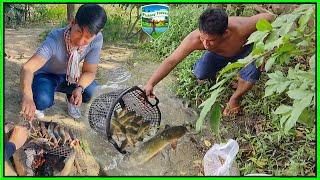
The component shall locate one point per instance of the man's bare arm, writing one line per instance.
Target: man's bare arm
(86, 78)
(188, 45)
(249, 23)
(26, 77)
(27, 71)
(88, 74)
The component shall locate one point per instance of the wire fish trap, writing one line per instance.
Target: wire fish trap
(106, 108)
(62, 151)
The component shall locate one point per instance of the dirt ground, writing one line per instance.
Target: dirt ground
(185, 160)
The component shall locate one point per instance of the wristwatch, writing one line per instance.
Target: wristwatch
(82, 89)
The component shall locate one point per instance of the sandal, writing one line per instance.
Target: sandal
(231, 111)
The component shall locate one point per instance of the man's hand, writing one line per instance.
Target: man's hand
(19, 136)
(148, 89)
(76, 97)
(28, 107)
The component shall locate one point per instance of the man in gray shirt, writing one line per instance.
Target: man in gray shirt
(55, 65)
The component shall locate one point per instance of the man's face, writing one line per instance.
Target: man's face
(209, 41)
(80, 36)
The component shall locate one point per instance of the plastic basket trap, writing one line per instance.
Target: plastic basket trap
(134, 99)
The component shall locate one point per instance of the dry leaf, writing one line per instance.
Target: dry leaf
(207, 143)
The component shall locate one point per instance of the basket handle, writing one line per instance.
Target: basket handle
(116, 145)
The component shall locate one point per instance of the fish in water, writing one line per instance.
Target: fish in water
(128, 117)
(133, 125)
(118, 127)
(154, 145)
(121, 113)
(142, 130)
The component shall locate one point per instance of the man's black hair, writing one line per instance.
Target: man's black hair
(92, 16)
(213, 21)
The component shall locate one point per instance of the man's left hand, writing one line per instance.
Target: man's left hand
(76, 97)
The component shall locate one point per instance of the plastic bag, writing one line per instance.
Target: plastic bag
(220, 160)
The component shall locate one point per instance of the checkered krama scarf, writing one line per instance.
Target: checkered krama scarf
(74, 54)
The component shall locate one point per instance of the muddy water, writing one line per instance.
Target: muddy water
(184, 160)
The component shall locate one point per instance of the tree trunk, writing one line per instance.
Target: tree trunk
(25, 12)
(70, 12)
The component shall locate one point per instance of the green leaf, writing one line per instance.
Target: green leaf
(215, 119)
(230, 67)
(206, 107)
(297, 94)
(307, 117)
(258, 48)
(272, 44)
(284, 118)
(220, 83)
(302, 8)
(312, 62)
(298, 107)
(282, 86)
(263, 25)
(259, 61)
(273, 36)
(284, 30)
(287, 47)
(279, 21)
(303, 20)
(284, 58)
(270, 62)
(282, 109)
(278, 75)
(270, 90)
(257, 36)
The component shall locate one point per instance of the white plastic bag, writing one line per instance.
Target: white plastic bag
(220, 160)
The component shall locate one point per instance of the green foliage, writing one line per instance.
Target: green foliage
(263, 25)
(274, 152)
(216, 91)
(187, 86)
(299, 84)
(50, 12)
(114, 29)
(215, 120)
(123, 20)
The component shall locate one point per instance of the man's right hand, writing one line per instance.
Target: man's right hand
(148, 89)
(28, 108)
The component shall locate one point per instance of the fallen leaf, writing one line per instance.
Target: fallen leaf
(207, 143)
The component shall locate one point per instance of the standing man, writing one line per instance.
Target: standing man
(55, 65)
(224, 40)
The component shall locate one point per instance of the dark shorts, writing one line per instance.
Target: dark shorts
(210, 63)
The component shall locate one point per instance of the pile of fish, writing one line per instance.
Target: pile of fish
(128, 128)
(53, 134)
